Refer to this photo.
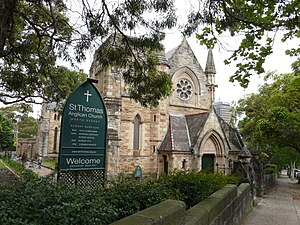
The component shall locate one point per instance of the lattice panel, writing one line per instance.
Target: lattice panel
(83, 178)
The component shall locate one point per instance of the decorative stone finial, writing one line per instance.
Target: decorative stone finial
(244, 153)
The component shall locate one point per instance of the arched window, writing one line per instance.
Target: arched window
(55, 116)
(55, 139)
(136, 132)
(58, 117)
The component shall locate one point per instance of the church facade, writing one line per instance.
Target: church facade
(48, 131)
(183, 132)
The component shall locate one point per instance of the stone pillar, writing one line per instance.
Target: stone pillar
(113, 106)
(243, 168)
(258, 174)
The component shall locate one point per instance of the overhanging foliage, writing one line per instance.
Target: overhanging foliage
(34, 34)
(272, 116)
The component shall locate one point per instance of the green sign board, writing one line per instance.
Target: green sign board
(83, 130)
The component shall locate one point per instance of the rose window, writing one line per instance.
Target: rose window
(184, 89)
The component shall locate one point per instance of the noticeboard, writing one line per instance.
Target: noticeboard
(83, 130)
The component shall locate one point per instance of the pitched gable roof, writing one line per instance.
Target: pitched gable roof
(183, 132)
(196, 124)
(232, 135)
(183, 55)
(177, 137)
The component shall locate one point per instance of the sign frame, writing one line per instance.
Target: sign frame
(83, 133)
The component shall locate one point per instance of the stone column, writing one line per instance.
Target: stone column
(243, 168)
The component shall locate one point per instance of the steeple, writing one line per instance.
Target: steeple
(210, 72)
(210, 64)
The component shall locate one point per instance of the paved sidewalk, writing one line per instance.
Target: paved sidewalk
(280, 206)
(44, 171)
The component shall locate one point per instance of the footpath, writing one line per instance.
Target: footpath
(43, 171)
(7, 176)
(279, 206)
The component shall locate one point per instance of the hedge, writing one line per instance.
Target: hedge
(40, 201)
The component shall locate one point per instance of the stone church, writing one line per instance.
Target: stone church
(183, 132)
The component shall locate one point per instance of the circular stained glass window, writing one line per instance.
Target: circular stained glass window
(184, 89)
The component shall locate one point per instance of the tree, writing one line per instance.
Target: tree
(6, 135)
(272, 117)
(281, 156)
(256, 21)
(33, 34)
(28, 127)
(24, 126)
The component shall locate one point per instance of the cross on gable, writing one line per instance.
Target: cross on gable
(87, 94)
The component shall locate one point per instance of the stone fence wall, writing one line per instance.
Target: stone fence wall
(228, 205)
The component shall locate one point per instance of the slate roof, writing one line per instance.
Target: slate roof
(183, 132)
(234, 139)
(116, 39)
(171, 52)
(177, 138)
(196, 123)
(162, 58)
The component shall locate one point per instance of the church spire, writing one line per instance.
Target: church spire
(210, 64)
(210, 72)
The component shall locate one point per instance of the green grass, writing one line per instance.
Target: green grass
(2, 166)
(50, 163)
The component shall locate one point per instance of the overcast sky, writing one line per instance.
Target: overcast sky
(226, 90)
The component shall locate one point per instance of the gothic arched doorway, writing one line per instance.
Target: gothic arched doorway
(208, 162)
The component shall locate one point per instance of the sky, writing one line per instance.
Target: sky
(226, 91)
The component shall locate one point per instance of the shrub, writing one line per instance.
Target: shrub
(194, 186)
(40, 201)
(270, 168)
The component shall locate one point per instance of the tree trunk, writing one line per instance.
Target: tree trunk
(7, 9)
